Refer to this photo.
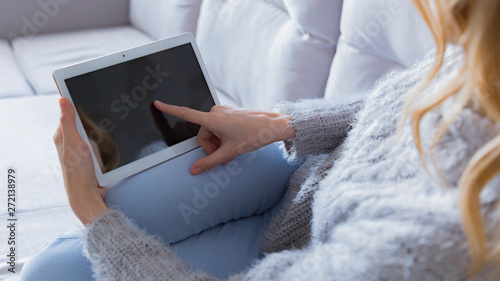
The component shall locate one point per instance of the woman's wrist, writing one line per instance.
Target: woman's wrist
(282, 126)
(87, 209)
(93, 212)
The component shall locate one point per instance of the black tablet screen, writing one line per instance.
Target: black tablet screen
(116, 107)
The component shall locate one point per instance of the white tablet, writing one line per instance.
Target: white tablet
(114, 94)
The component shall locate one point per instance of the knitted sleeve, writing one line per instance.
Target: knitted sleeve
(398, 250)
(320, 125)
(119, 250)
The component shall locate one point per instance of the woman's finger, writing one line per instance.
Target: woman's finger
(185, 113)
(68, 124)
(205, 139)
(211, 161)
(58, 138)
(217, 141)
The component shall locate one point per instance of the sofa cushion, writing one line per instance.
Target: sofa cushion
(165, 18)
(264, 51)
(377, 37)
(27, 18)
(41, 55)
(28, 125)
(11, 78)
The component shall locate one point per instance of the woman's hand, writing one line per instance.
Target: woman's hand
(227, 132)
(85, 196)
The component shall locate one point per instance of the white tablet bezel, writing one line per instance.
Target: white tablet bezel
(149, 161)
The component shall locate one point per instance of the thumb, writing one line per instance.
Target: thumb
(68, 123)
(211, 161)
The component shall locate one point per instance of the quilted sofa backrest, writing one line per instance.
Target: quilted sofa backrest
(259, 52)
(164, 18)
(377, 36)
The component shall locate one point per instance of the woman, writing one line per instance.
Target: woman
(420, 204)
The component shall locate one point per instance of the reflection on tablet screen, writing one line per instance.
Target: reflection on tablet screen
(115, 104)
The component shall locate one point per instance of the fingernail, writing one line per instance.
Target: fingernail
(157, 102)
(196, 171)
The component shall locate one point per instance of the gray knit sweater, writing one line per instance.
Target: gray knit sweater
(361, 209)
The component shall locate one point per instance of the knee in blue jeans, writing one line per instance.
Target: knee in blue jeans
(59, 259)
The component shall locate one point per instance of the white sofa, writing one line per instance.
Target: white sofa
(257, 52)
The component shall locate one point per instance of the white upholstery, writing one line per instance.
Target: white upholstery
(12, 79)
(165, 18)
(26, 145)
(28, 18)
(260, 52)
(376, 38)
(41, 55)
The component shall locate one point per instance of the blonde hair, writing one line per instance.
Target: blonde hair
(474, 25)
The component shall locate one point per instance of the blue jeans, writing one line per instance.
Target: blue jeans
(214, 221)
